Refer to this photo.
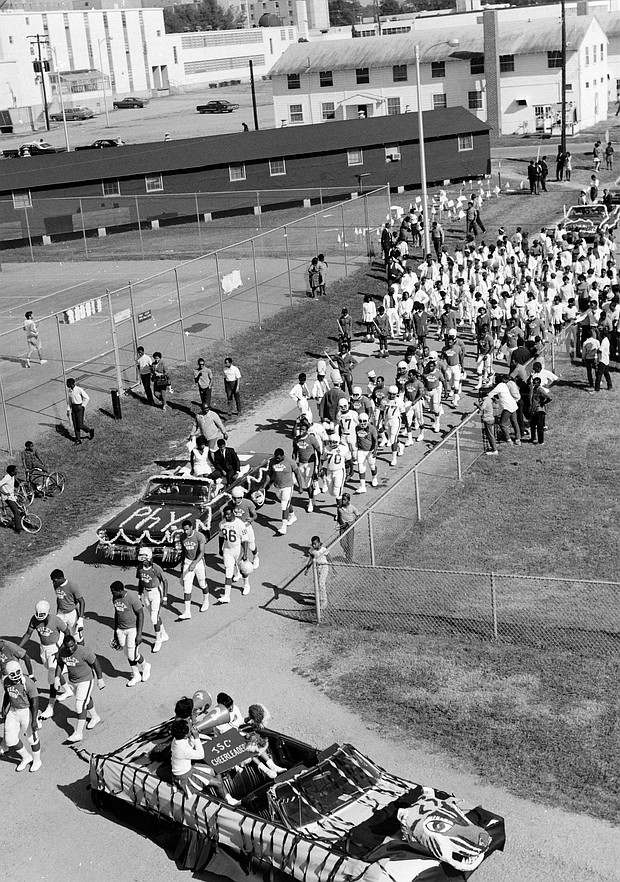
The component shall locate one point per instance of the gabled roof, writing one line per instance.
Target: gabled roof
(163, 157)
(515, 38)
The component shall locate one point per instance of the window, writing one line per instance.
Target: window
(466, 142)
(602, 52)
(554, 58)
(393, 106)
(154, 183)
(476, 65)
(569, 87)
(587, 85)
(111, 188)
(328, 111)
(326, 78)
(399, 73)
(22, 199)
(438, 69)
(506, 63)
(474, 100)
(175, 55)
(392, 153)
(355, 157)
(236, 171)
(440, 100)
(296, 113)
(594, 55)
(362, 76)
(277, 167)
(10, 39)
(587, 56)
(293, 81)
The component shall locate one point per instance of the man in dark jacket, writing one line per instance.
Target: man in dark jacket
(226, 463)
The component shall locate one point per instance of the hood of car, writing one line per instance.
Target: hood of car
(159, 520)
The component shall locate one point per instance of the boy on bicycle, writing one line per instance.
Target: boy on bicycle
(31, 459)
(7, 495)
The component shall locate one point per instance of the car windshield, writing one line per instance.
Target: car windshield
(178, 490)
(586, 212)
(337, 779)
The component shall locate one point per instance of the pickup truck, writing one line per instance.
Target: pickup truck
(221, 106)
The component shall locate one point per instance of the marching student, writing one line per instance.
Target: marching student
(153, 589)
(81, 666)
(233, 540)
(282, 472)
(128, 624)
(193, 568)
(20, 711)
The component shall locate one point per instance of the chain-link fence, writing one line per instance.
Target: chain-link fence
(181, 310)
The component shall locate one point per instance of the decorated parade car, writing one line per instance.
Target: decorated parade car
(333, 815)
(169, 499)
(588, 220)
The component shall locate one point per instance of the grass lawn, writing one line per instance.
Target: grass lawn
(543, 722)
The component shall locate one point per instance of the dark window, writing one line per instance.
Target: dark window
(362, 75)
(554, 58)
(506, 63)
(399, 73)
(326, 78)
(476, 65)
(475, 100)
(438, 69)
(293, 81)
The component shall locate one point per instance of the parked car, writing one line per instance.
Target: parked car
(130, 102)
(588, 220)
(35, 148)
(72, 113)
(169, 499)
(221, 106)
(332, 814)
(101, 144)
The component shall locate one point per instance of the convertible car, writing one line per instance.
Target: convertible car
(169, 499)
(332, 816)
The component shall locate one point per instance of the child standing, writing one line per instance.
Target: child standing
(317, 554)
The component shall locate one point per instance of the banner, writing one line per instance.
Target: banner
(226, 751)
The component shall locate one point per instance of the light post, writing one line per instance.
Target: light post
(427, 236)
(105, 97)
(62, 101)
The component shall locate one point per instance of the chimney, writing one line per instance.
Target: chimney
(490, 27)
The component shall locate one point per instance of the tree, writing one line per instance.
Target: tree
(205, 16)
(390, 7)
(344, 12)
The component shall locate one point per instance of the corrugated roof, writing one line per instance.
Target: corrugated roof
(163, 157)
(515, 38)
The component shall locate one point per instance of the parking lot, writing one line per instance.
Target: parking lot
(173, 114)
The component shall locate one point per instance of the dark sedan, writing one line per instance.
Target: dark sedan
(130, 102)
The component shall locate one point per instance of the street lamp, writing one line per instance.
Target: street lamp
(427, 237)
(105, 99)
(62, 100)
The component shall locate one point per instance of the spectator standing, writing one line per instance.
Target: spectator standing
(382, 327)
(209, 426)
(589, 352)
(508, 417)
(7, 495)
(559, 164)
(538, 412)
(369, 313)
(471, 227)
(568, 165)
(76, 409)
(347, 514)
(544, 172)
(532, 176)
(386, 244)
(322, 265)
(345, 327)
(301, 396)
(487, 416)
(33, 340)
(602, 368)
(317, 558)
(594, 185)
(598, 156)
(314, 278)
(232, 378)
(609, 156)
(161, 379)
(144, 362)
(437, 237)
(203, 377)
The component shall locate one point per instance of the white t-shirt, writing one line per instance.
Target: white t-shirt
(232, 373)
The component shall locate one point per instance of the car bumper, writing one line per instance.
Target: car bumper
(117, 551)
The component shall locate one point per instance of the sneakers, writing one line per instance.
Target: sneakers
(492, 453)
(43, 361)
(157, 645)
(164, 636)
(361, 489)
(400, 449)
(91, 434)
(224, 600)
(36, 763)
(135, 679)
(67, 693)
(25, 763)
(282, 530)
(93, 721)
(47, 713)
(375, 481)
(291, 519)
(310, 507)
(146, 673)
(27, 363)
(256, 561)
(236, 576)
(204, 606)
(75, 737)
(184, 617)
(246, 590)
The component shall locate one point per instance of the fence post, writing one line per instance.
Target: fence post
(6, 419)
(344, 240)
(83, 229)
(416, 487)
(139, 227)
(553, 355)
(288, 265)
(367, 229)
(316, 234)
(494, 606)
(30, 234)
(372, 540)
(198, 222)
(176, 281)
(134, 325)
(259, 214)
(256, 282)
(321, 196)
(62, 360)
(117, 360)
(317, 598)
(459, 471)
(389, 201)
(219, 289)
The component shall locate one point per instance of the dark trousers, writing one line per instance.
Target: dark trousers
(520, 419)
(602, 370)
(437, 245)
(17, 515)
(205, 395)
(559, 171)
(77, 417)
(507, 421)
(537, 426)
(147, 385)
(232, 392)
(590, 370)
(347, 543)
(488, 434)
(229, 476)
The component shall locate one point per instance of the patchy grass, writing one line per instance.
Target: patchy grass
(541, 721)
(103, 472)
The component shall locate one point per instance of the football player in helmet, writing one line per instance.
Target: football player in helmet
(20, 710)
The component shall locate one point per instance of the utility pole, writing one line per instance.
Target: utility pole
(41, 66)
(254, 108)
(563, 86)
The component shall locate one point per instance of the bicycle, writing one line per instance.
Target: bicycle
(31, 523)
(39, 483)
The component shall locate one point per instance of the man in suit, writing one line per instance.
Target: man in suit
(226, 463)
